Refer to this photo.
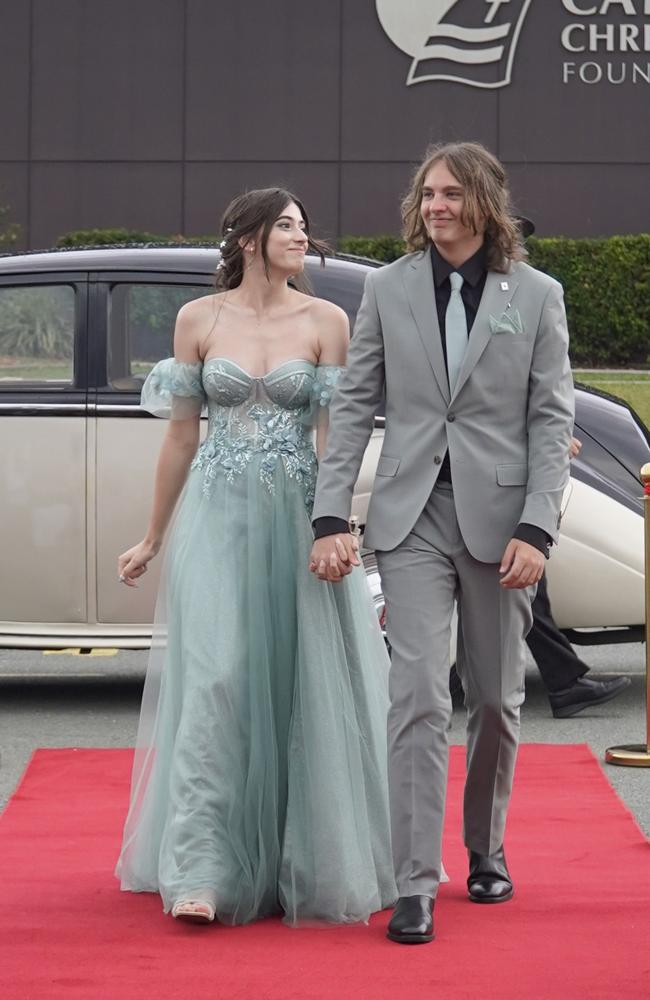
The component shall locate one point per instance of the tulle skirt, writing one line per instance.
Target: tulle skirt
(260, 775)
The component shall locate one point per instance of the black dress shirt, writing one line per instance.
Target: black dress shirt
(474, 273)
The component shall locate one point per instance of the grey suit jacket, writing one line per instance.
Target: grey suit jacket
(507, 425)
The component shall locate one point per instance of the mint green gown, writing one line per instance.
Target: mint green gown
(259, 779)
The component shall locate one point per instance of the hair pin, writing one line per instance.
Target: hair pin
(222, 247)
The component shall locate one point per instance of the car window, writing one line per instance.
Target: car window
(141, 328)
(37, 324)
(344, 286)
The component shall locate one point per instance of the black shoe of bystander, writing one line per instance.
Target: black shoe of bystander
(585, 693)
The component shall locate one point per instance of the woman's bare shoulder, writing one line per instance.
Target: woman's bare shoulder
(332, 330)
(193, 320)
(329, 311)
(198, 309)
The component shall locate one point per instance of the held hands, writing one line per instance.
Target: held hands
(522, 564)
(334, 556)
(133, 563)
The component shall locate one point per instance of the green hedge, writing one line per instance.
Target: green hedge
(386, 248)
(128, 237)
(10, 232)
(606, 287)
(606, 284)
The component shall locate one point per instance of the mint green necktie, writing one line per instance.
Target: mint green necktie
(455, 329)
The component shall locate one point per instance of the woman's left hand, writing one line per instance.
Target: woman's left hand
(132, 564)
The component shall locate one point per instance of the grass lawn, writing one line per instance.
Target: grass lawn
(633, 387)
(32, 370)
(17, 370)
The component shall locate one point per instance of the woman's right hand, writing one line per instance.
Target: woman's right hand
(133, 563)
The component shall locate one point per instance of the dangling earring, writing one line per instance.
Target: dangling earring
(251, 250)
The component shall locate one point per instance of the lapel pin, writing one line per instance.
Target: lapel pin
(504, 286)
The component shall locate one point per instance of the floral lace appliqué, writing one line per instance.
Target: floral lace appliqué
(269, 420)
(269, 433)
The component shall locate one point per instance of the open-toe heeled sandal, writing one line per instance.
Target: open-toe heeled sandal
(194, 911)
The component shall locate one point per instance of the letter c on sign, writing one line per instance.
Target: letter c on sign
(570, 5)
(566, 37)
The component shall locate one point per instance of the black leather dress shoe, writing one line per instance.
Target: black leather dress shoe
(412, 920)
(489, 879)
(584, 693)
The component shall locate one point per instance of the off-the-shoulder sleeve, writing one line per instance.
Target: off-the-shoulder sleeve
(173, 389)
(322, 390)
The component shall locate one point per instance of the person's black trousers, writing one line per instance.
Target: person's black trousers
(552, 651)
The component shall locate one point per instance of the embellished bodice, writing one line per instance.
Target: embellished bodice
(265, 422)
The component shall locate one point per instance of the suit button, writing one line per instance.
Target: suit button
(451, 417)
(437, 460)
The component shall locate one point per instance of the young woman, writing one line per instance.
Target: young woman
(259, 781)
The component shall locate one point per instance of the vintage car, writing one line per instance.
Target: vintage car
(80, 329)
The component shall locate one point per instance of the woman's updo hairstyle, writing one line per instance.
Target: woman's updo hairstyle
(252, 215)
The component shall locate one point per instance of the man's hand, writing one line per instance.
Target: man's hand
(522, 564)
(334, 556)
(575, 447)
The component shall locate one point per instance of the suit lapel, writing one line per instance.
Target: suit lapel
(494, 301)
(421, 297)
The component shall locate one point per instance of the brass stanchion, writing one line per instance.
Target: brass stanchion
(638, 755)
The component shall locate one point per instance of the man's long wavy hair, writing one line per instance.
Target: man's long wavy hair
(486, 202)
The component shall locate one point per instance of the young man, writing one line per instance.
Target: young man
(469, 346)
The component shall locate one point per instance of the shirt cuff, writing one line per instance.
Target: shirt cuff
(330, 526)
(534, 535)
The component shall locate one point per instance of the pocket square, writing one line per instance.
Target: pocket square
(508, 322)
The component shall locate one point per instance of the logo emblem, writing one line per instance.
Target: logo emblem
(458, 40)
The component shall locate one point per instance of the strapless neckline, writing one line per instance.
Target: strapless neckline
(261, 378)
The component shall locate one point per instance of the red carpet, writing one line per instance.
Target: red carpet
(577, 927)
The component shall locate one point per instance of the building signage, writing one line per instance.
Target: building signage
(599, 49)
(475, 42)
(455, 39)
